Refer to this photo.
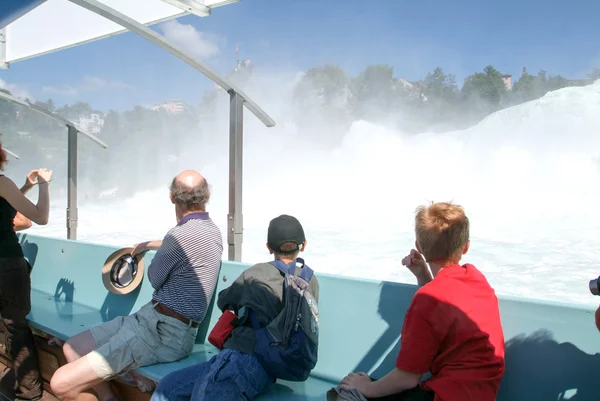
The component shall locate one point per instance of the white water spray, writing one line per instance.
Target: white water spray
(528, 176)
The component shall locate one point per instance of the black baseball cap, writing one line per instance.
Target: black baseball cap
(285, 229)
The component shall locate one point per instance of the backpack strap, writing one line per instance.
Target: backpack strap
(250, 314)
(306, 273)
(253, 318)
(282, 267)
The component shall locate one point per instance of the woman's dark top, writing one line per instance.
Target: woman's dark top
(9, 242)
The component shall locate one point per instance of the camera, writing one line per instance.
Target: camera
(595, 286)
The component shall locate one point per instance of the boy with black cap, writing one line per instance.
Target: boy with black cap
(235, 373)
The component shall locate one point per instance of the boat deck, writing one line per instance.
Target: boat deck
(7, 379)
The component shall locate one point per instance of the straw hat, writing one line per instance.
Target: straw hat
(120, 281)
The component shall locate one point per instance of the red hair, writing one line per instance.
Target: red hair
(2, 157)
(442, 231)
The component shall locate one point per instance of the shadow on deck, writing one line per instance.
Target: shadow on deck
(7, 379)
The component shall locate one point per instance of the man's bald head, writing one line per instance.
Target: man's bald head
(190, 191)
(190, 178)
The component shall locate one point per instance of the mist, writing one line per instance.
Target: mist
(528, 176)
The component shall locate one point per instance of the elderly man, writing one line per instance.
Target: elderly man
(183, 273)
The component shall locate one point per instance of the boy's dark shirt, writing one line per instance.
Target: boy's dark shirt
(261, 288)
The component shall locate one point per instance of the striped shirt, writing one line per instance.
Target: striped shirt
(185, 269)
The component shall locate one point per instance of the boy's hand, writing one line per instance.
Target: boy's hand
(417, 266)
(360, 381)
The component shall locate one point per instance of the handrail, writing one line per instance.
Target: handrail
(147, 33)
(52, 115)
(13, 154)
(3, 63)
(73, 135)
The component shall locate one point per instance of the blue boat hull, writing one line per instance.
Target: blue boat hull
(552, 349)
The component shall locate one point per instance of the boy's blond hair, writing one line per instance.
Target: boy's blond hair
(442, 231)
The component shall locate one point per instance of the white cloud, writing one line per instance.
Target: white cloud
(95, 83)
(66, 90)
(200, 44)
(16, 90)
(89, 84)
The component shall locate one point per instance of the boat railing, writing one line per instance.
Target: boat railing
(11, 153)
(72, 148)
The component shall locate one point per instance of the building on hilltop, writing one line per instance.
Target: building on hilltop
(171, 106)
(92, 124)
(507, 78)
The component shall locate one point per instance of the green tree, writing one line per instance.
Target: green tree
(441, 102)
(441, 86)
(376, 93)
(530, 87)
(594, 74)
(321, 99)
(8, 113)
(329, 83)
(484, 92)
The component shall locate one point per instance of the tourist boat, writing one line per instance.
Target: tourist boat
(552, 349)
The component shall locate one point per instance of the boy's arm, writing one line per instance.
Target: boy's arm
(424, 278)
(417, 265)
(419, 347)
(419, 341)
(232, 295)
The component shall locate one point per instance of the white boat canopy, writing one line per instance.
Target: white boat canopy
(31, 28)
(66, 24)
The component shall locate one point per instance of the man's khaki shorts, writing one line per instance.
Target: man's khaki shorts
(143, 338)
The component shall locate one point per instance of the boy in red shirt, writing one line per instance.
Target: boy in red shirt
(452, 328)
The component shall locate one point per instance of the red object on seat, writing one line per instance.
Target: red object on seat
(220, 333)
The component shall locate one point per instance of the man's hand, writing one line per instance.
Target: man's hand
(417, 266)
(139, 248)
(360, 381)
(146, 246)
(597, 316)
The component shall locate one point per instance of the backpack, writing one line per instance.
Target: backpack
(287, 347)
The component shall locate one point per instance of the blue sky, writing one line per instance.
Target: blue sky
(288, 35)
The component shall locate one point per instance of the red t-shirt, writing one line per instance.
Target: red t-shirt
(453, 330)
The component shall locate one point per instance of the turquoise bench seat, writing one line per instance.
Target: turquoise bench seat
(61, 319)
(552, 349)
(312, 389)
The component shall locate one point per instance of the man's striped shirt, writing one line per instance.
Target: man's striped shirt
(185, 269)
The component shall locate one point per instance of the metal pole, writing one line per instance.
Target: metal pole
(3, 63)
(236, 136)
(72, 184)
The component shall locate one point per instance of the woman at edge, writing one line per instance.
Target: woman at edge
(15, 283)
(21, 222)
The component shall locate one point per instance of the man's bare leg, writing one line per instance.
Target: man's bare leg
(78, 375)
